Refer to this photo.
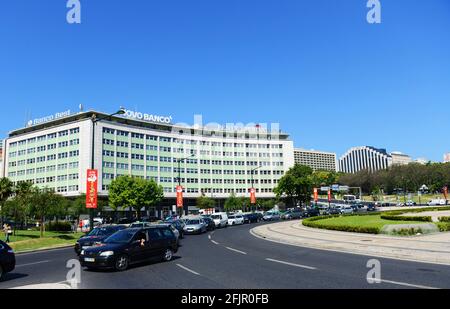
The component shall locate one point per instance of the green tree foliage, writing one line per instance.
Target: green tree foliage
(204, 202)
(232, 203)
(134, 192)
(296, 185)
(6, 190)
(406, 177)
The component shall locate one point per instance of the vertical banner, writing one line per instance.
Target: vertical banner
(179, 196)
(92, 189)
(316, 195)
(446, 192)
(329, 195)
(252, 195)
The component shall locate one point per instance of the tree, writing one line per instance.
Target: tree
(296, 185)
(232, 203)
(18, 206)
(43, 202)
(134, 192)
(204, 202)
(6, 189)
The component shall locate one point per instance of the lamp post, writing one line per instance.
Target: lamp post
(253, 187)
(179, 173)
(94, 120)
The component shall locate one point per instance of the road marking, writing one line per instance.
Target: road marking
(409, 285)
(189, 270)
(35, 263)
(292, 264)
(214, 242)
(209, 237)
(235, 250)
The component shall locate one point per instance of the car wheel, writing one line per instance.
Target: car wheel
(122, 263)
(168, 255)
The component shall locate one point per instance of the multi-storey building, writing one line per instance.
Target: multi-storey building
(57, 154)
(317, 160)
(399, 158)
(364, 158)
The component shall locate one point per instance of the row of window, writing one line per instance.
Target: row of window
(45, 137)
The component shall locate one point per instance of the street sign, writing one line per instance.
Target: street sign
(324, 189)
(335, 187)
(252, 195)
(179, 196)
(344, 188)
(92, 189)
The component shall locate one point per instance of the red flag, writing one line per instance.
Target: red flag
(179, 196)
(329, 195)
(445, 192)
(316, 195)
(92, 189)
(253, 196)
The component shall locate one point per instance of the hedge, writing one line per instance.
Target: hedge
(311, 222)
(443, 226)
(401, 218)
(444, 219)
(395, 215)
(61, 226)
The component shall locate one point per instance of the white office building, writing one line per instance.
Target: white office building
(364, 158)
(399, 158)
(317, 160)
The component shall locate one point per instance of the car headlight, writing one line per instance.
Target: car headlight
(107, 253)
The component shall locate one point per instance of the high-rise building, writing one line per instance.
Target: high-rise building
(317, 160)
(399, 158)
(1, 158)
(56, 153)
(364, 158)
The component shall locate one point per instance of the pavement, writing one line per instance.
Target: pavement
(431, 248)
(233, 258)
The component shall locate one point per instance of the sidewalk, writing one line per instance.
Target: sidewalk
(434, 248)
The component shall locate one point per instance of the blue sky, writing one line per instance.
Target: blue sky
(317, 67)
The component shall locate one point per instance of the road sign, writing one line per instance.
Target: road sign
(335, 187)
(324, 189)
(179, 196)
(344, 188)
(92, 189)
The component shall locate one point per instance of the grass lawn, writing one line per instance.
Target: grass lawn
(30, 240)
(362, 222)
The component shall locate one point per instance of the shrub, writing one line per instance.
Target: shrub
(402, 218)
(444, 219)
(313, 222)
(61, 226)
(443, 226)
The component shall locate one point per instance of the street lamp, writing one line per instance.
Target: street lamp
(179, 171)
(94, 120)
(253, 187)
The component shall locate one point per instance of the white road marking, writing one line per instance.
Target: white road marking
(292, 264)
(214, 242)
(35, 263)
(235, 250)
(209, 237)
(409, 285)
(189, 270)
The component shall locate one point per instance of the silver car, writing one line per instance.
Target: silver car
(195, 226)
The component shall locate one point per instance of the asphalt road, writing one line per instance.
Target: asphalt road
(233, 258)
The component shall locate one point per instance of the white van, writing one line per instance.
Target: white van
(437, 202)
(220, 219)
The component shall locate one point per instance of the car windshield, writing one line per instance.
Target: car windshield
(121, 237)
(100, 232)
(193, 222)
(216, 217)
(231, 217)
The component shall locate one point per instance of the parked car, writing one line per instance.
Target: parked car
(292, 214)
(195, 226)
(371, 207)
(252, 218)
(271, 216)
(347, 210)
(235, 220)
(7, 259)
(334, 211)
(220, 219)
(97, 235)
(410, 203)
(131, 246)
(179, 225)
(210, 224)
(437, 202)
(311, 212)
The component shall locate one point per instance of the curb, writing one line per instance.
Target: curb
(368, 254)
(44, 249)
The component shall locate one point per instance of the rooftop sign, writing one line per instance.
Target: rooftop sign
(147, 117)
(48, 118)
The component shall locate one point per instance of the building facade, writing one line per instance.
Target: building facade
(57, 154)
(364, 158)
(399, 158)
(317, 160)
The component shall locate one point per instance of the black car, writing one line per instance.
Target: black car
(251, 218)
(178, 225)
(334, 211)
(371, 207)
(131, 246)
(7, 259)
(97, 235)
(210, 225)
(312, 212)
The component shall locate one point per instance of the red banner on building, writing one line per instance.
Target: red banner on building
(253, 196)
(445, 192)
(329, 195)
(92, 189)
(316, 195)
(179, 196)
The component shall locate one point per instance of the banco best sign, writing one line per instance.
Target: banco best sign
(147, 117)
(48, 118)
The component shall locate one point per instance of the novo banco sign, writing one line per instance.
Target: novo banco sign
(147, 117)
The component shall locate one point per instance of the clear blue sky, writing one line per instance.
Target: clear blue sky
(330, 79)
